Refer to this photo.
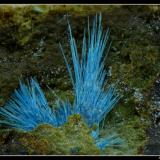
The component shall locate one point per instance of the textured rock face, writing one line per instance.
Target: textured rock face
(29, 47)
(72, 138)
(153, 145)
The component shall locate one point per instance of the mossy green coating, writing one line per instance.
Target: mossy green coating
(134, 58)
(72, 138)
(131, 127)
(134, 134)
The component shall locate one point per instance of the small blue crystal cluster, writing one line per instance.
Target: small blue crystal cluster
(28, 106)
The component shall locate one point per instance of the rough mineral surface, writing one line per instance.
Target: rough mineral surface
(29, 46)
(72, 138)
